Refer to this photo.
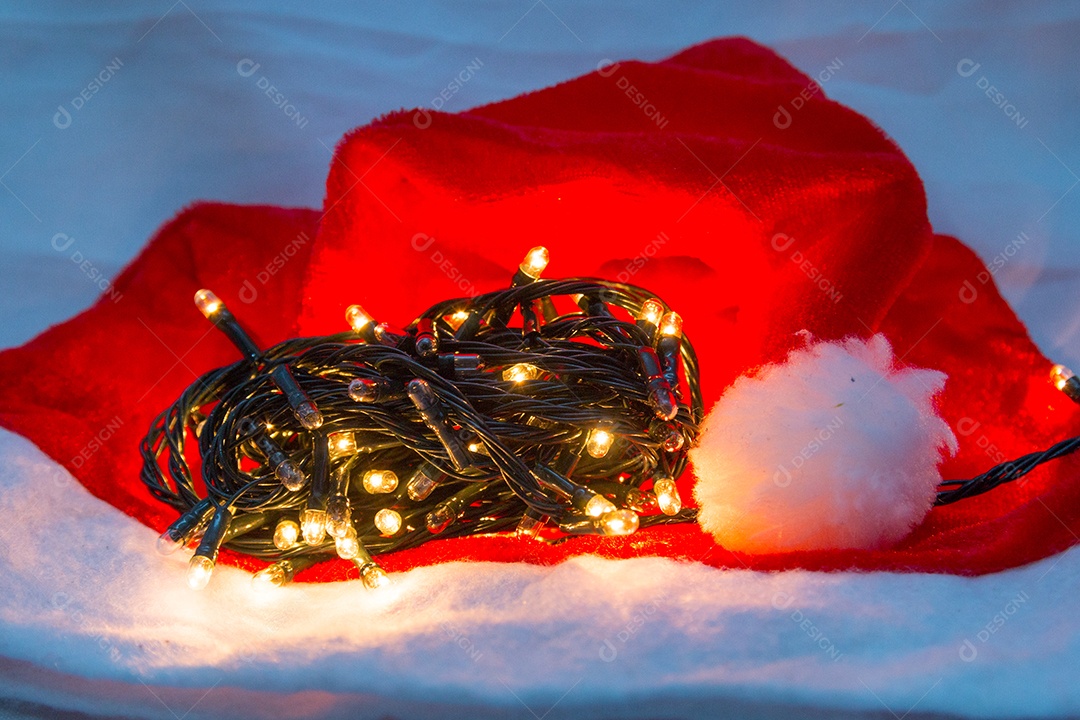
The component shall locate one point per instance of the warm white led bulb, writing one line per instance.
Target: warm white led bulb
(457, 319)
(374, 577)
(651, 311)
(388, 521)
(348, 546)
(207, 302)
(286, 534)
(598, 505)
(200, 568)
(313, 524)
(380, 481)
(342, 444)
(671, 324)
(535, 261)
(599, 442)
(357, 317)
(270, 577)
(667, 496)
(619, 522)
(521, 372)
(1059, 375)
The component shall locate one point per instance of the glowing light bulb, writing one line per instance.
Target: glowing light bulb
(357, 318)
(348, 546)
(167, 544)
(1060, 375)
(201, 565)
(286, 534)
(651, 312)
(379, 482)
(671, 325)
(208, 303)
(599, 442)
(342, 444)
(457, 319)
(535, 261)
(338, 516)
(582, 498)
(214, 310)
(521, 372)
(619, 522)
(599, 505)
(667, 496)
(200, 568)
(388, 521)
(1065, 381)
(374, 577)
(270, 577)
(313, 525)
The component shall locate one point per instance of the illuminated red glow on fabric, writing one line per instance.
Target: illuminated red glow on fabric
(752, 231)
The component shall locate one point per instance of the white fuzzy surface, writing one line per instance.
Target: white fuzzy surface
(835, 448)
(93, 620)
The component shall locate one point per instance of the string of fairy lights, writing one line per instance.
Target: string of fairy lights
(550, 409)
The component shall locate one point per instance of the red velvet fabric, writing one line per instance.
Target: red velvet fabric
(671, 175)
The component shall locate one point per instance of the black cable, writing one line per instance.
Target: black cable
(955, 490)
(584, 376)
(495, 419)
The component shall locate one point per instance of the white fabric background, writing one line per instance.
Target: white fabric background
(86, 605)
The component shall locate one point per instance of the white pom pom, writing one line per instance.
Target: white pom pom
(836, 448)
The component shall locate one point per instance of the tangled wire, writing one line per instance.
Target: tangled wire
(503, 412)
(574, 419)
